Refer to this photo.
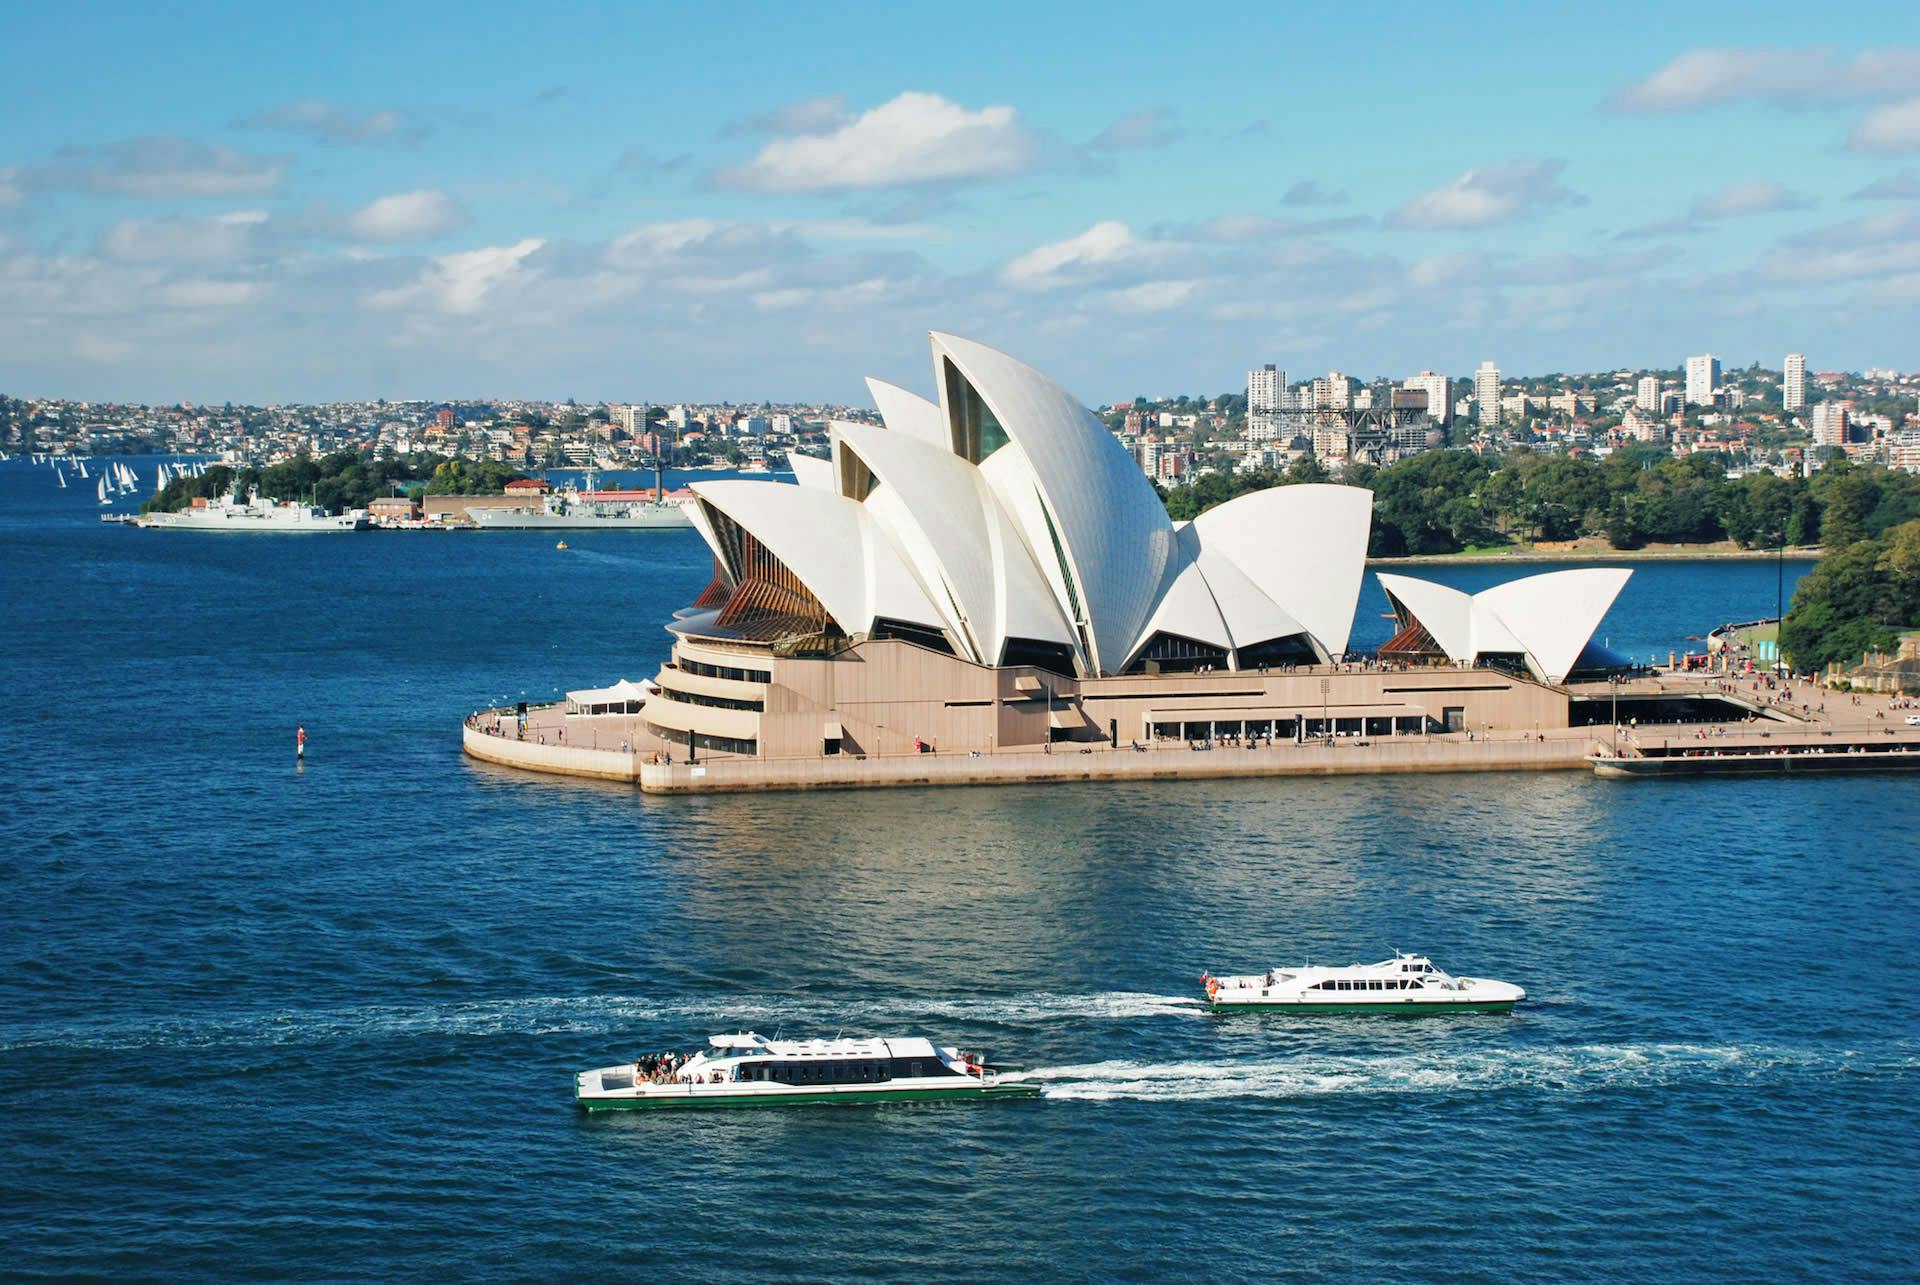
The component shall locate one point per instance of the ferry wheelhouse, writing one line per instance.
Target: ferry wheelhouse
(747, 1070)
(1403, 984)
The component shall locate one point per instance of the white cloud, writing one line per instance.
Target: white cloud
(1904, 186)
(224, 236)
(914, 138)
(858, 293)
(1709, 77)
(1310, 192)
(808, 116)
(155, 166)
(9, 193)
(1237, 228)
(1153, 296)
(1043, 267)
(1760, 196)
(1494, 194)
(200, 292)
(460, 283)
(1893, 128)
(333, 123)
(407, 216)
(1445, 269)
(1136, 130)
(1877, 246)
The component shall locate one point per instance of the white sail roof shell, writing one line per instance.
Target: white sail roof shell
(911, 414)
(1111, 528)
(698, 515)
(1251, 614)
(1548, 618)
(1209, 599)
(1305, 546)
(1554, 615)
(970, 559)
(833, 545)
(1444, 612)
(811, 471)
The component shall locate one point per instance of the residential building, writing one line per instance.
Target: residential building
(1830, 423)
(1703, 379)
(1486, 393)
(1439, 391)
(1793, 385)
(1903, 451)
(1335, 392)
(1648, 396)
(1640, 425)
(1264, 389)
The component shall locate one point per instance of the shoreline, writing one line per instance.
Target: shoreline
(1702, 553)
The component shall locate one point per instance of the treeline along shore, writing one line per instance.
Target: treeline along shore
(340, 481)
(1637, 498)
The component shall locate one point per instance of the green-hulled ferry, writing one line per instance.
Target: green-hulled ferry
(746, 1070)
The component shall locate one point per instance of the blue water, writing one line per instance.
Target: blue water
(259, 1020)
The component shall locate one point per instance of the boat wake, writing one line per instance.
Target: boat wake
(618, 1017)
(1576, 1068)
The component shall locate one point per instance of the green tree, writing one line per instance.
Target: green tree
(1856, 599)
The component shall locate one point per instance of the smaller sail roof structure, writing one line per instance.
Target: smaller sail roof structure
(1547, 619)
(830, 543)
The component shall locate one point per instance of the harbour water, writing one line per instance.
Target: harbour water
(260, 1018)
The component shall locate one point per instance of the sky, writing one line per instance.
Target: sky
(280, 203)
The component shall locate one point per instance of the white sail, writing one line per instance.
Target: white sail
(83, 468)
(59, 476)
(101, 491)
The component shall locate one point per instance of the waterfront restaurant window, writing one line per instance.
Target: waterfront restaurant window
(723, 671)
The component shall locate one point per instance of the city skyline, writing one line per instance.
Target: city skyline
(654, 212)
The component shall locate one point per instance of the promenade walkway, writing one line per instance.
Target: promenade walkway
(1786, 717)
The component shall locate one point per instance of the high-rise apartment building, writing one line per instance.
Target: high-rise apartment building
(1703, 379)
(1264, 388)
(1439, 391)
(1793, 385)
(1830, 423)
(1648, 396)
(1335, 392)
(1486, 393)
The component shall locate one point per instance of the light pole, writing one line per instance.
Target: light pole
(1614, 683)
(1780, 580)
(1326, 728)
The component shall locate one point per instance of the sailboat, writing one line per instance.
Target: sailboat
(58, 475)
(101, 491)
(83, 469)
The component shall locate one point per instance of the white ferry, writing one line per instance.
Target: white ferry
(227, 514)
(1404, 984)
(746, 1070)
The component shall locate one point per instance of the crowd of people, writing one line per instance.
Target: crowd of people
(659, 1068)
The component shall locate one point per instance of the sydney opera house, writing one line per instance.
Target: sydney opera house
(989, 571)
